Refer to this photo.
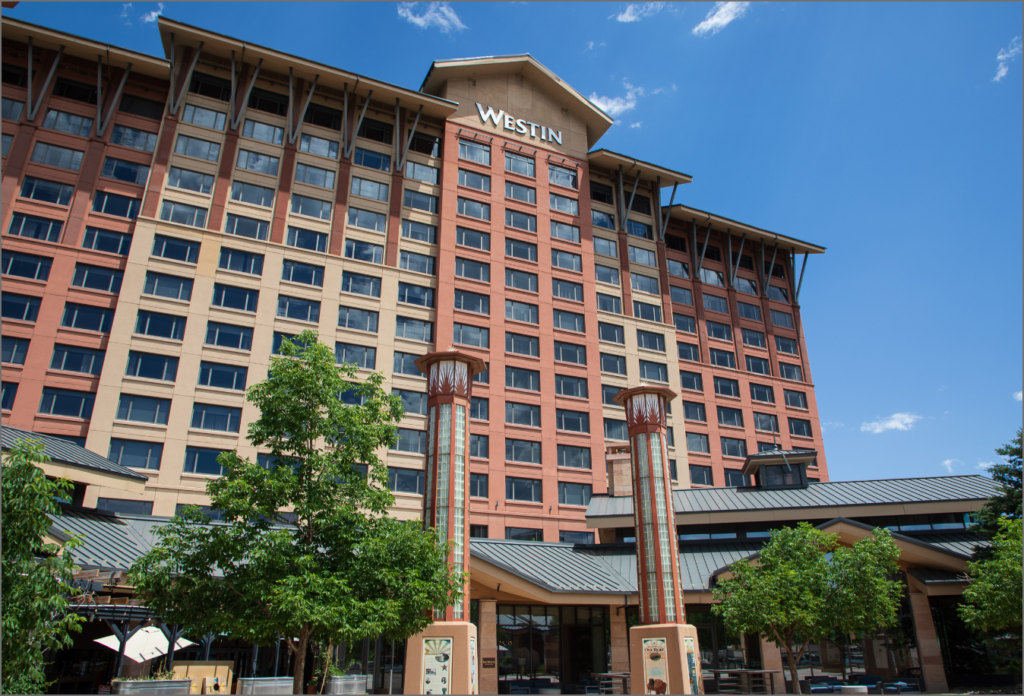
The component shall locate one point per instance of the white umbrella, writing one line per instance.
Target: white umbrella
(147, 643)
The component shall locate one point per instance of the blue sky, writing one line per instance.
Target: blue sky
(889, 133)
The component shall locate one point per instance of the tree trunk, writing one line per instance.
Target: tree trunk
(300, 663)
(793, 674)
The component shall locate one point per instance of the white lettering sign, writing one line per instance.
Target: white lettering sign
(518, 125)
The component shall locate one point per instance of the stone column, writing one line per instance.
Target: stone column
(619, 634)
(928, 649)
(488, 646)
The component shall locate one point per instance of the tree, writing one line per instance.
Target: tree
(804, 585)
(334, 567)
(36, 575)
(993, 597)
(1008, 503)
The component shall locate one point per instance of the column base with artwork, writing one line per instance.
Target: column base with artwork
(443, 659)
(665, 659)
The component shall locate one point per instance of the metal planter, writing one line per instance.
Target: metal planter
(349, 684)
(265, 685)
(156, 687)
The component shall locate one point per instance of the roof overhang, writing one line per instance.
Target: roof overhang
(757, 460)
(94, 477)
(703, 218)
(634, 167)
(597, 121)
(86, 49)
(280, 62)
(493, 577)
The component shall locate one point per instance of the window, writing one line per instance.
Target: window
(647, 257)
(143, 409)
(483, 377)
(574, 457)
(778, 294)
(701, 475)
(147, 108)
(364, 251)
(561, 176)
(16, 349)
(419, 263)
(608, 393)
(649, 312)
(766, 422)
(517, 164)
(786, 345)
(192, 216)
(694, 411)
(206, 150)
(681, 295)
(697, 442)
(158, 325)
(374, 160)
(520, 250)
(405, 480)
(746, 286)
(419, 231)
(32, 227)
(643, 283)
(414, 402)
(609, 303)
(358, 319)
(378, 222)
(573, 493)
(716, 304)
(793, 372)
(723, 358)
(610, 332)
(471, 238)
(428, 203)
(605, 220)
(521, 378)
(475, 152)
(783, 319)
(70, 89)
(250, 193)
(795, 399)
(298, 309)
(762, 393)
(678, 268)
(323, 116)
(405, 365)
(519, 192)
(606, 274)
(522, 451)
(571, 386)
(730, 416)
(372, 129)
(522, 414)
(480, 182)
(429, 145)
(516, 311)
(570, 353)
(467, 335)
(477, 484)
(758, 365)
(685, 323)
(311, 207)
(263, 131)
(415, 294)
(572, 421)
(413, 329)
(473, 302)
(134, 138)
(688, 351)
(748, 311)
(733, 447)
(615, 429)
(69, 358)
(361, 356)
(522, 345)
(87, 318)
(477, 531)
(66, 402)
(197, 115)
(222, 376)
(521, 221)
(190, 181)
(412, 441)
(754, 338)
(303, 239)
(271, 102)
(474, 270)
(150, 366)
(252, 161)
(691, 380)
(47, 191)
(228, 336)
(653, 371)
(734, 478)
(520, 534)
(297, 272)
(569, 233)
(202, 460)
(235, 298)
(727, 387)
(722, 332)
(280, 338)
(26, 265)
(97, 278)
(639, 229)
(711, 277)
(528, 490)
(521, 280)
(63, 157)
(12, 110)
(565, 205)
(615, 364)
(479, 408)
(566, 260)
(136, 454)
(569, 321)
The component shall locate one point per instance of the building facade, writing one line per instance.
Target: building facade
(168, 221)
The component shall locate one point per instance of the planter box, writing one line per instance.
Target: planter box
(161, 687)
(349, 684)
(265, 685)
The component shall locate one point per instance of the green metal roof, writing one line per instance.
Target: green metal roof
(65, 452)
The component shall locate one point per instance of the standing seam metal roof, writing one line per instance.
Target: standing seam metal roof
(60, 450)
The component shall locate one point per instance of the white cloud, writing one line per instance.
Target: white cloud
(150, 17)
(831, 424)
(437, 14)
(634, 12)
(616, 106)
(984, 465)
(1005, 56)
(720, 17)
(897, 421)
(638, 124)
(1018, 396)
(950, 463)
(591, 45)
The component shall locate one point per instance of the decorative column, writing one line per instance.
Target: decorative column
(665, 657)
(443, 659)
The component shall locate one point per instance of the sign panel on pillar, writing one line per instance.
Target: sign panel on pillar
(442, 659)
(663, 647)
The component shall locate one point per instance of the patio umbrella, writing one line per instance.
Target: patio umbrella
(146, 644)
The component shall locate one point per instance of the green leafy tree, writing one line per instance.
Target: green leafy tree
(1008, 503)
(36, 575)
(804, 585)
(993, 597)
(334, 568)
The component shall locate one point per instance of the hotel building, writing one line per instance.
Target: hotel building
(168, 221)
